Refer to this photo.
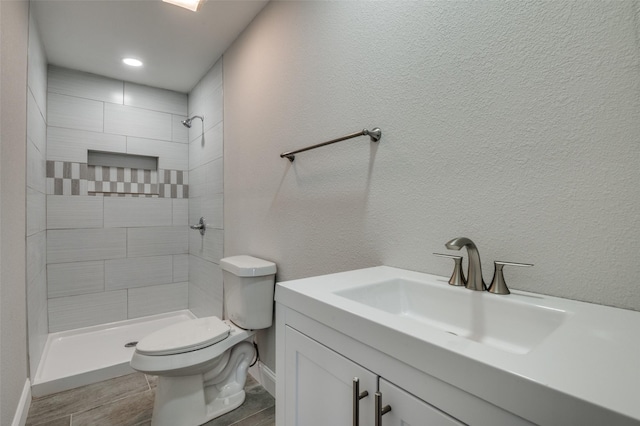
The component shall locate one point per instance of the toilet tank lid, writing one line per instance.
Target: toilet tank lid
(247, 266)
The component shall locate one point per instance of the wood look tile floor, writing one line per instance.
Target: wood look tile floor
(128, 401)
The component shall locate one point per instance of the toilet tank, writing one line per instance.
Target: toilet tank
(248, 291)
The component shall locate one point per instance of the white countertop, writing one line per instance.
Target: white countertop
(588, 368)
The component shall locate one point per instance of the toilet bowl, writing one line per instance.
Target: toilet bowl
(202, 364)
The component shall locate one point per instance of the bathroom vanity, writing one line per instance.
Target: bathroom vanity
(434, 354)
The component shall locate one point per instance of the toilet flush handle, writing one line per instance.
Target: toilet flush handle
(201, 225)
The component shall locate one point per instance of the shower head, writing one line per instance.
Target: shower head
(187, 123)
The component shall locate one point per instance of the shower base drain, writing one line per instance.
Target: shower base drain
(130, 345)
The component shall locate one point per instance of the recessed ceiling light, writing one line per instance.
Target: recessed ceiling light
(132, 62)
(192, 5)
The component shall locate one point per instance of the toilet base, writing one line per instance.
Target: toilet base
(181, 401)
(193, 400)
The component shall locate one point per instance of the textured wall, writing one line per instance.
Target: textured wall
(512, 123)
(206, 200)
(117, 241)
(14, 31)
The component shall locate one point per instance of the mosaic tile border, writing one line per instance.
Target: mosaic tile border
(70, 178)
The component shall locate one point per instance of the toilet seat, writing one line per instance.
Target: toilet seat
(184, 337)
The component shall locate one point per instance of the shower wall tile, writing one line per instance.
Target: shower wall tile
(157, 241)
(36, 167)
(137, 122)
(213, 209)
(208, 246)
(124, 212)
(116, 251)
(38, 331)
(36, 124)
(69, 212)
(72, 145)
(205, 275)
(66, 313)
(179, 132)
(206, 150)
(138, 272)
(37, 67)
(206, 99)
(36, 214)
(171, 155)
(78, 245)
(36, 255)
(157, 299)
(74, 113)
(180, 212)
(38, 325)
(70, 279)
(65, 81)
(36, 211)
(155, 99)
(180, 268)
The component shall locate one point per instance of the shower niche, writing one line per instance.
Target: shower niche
(115, 174)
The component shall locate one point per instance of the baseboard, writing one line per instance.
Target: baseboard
(265, 377)
(22, 411)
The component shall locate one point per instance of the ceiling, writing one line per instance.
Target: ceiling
(176, 45)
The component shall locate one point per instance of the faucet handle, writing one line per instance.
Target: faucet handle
(498, 284)
(457, 277)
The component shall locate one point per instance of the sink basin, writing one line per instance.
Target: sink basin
(501, 322)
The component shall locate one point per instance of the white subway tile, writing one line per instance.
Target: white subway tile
(179, 131)
(155, 99)
(65, 81)
(180, 211)
(208, 246)
(74, 113)
(74, 211)
(158, 299)
(70, 279)
(36, 211)
(72, 145)
(137, 122)
(67, 313)
(78, 245)
(138, 272)
(171, 155)
(180, 268)
(157, 241)
(206, 149)
(121, 212)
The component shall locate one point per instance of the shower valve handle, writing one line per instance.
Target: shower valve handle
(201, 225)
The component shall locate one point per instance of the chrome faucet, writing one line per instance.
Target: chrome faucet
(474, 272)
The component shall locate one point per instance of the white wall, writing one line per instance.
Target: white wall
(512, 123)
(205, 197)
(14, 31)
(122, 254)
(37, 321)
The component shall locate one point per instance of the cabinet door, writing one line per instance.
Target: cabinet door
(319, 385)
(407, 410)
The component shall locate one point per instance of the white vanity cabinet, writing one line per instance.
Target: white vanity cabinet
(315, 383)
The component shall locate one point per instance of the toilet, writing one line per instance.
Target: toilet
(202, 363)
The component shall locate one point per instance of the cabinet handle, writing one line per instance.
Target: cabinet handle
(357, 396)
(380, 410)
